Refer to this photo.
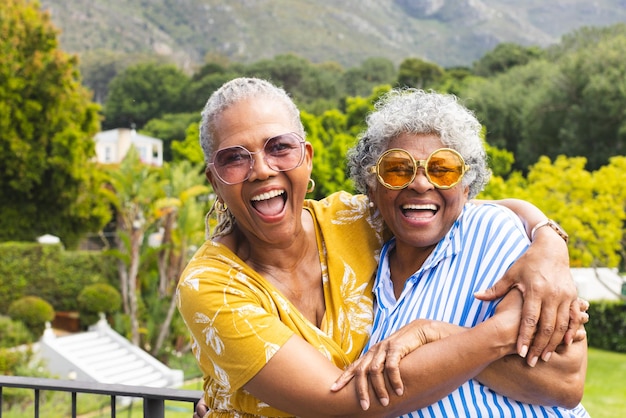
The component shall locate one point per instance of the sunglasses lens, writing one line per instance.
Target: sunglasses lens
(232, 164)
(396, 169)
(445, 168)
(284, 152)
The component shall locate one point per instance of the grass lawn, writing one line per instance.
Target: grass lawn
(605, 387)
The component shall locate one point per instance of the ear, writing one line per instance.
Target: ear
(370, 196)
(308, 155)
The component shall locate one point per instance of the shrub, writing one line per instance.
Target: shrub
(607, 325)
(95, 299)
(13, 333)
(50, 272)
(34, 312)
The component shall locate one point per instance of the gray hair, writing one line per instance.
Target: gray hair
(235, 91)
(413, 111)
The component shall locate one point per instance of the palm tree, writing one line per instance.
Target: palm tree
(181, 214)
(134, 189)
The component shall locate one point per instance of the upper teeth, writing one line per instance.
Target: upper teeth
(420, 207)
(268, 195)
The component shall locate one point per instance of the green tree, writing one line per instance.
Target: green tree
(572, 102)
(189, 149)
(505, 56)
(143, 92)
(180, 215)
(48, 183)
(359, 81)
(583, 202)
(135, 188)
(169, 128)
(415, 72)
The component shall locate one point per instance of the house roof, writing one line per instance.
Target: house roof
(112, 135)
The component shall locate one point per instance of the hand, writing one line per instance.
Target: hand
(385, 357)
(583, 317)
(542, 275)
(508, 314)
(201, 409)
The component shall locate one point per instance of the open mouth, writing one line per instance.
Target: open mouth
(271, 203)
(415, 211)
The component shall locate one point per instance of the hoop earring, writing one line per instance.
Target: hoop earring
(311, 187)
(220, 207)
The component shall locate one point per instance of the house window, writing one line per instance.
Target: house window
(108, 154)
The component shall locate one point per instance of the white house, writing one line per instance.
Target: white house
(112, 146)
(600, 283)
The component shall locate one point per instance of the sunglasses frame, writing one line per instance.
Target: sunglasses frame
(417, 164)
(301, 141)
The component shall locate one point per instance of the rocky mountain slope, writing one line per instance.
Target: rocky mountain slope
(448, 32)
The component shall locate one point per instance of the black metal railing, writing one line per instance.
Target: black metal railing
(153, 398)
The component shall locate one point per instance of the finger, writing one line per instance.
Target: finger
(499, 289)
(362, 388)
(581, 334)
(377, 380)
(530, 313)
(560, 330)
(578, 317)
(544, 320)
(392, 370)
(583, 304)
(343, 380)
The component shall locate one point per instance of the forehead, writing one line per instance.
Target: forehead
(251, 121)
(416, 143)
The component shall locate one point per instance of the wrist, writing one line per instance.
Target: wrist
(547, 225)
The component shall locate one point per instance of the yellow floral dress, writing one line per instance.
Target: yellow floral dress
(238, 320)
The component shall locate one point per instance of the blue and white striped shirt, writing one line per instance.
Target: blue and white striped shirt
(481, 245)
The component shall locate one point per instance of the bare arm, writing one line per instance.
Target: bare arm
(542, 275)
(433, 371)
(557, 383)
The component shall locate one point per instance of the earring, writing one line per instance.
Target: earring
(371, 204)
(220, 207)
(311, 187)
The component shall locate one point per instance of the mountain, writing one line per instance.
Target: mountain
(447, 32)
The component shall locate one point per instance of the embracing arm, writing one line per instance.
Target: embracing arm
(543, 276)
(433, 371)
(559, 382)
(298, 378)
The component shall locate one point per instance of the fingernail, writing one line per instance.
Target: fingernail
(523, 351)
(384, 401)
(399, 391)
(533, 361)
(333, 387)
(546, 356)
(365, 405)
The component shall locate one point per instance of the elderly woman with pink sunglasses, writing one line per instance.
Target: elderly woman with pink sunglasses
(279, 299)
(421, 160)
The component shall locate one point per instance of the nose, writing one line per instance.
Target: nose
(260, 169)
(420, 183)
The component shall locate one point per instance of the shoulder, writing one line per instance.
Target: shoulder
(339, 201)
(491, 220)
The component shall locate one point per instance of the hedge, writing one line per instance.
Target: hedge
(50, 272)
(606, 328)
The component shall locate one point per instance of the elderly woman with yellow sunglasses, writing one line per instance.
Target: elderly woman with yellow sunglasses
(421, 160)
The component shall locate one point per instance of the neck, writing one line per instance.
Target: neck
(287, 255)
(404, 261)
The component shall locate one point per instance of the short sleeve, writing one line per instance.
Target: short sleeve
(233, 318)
